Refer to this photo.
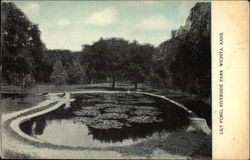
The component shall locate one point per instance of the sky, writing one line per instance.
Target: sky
(70, 24)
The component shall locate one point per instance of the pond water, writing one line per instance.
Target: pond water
(102, 120)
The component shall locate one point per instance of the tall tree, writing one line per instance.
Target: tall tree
(22, 49)
(187, 55)
(75, 72)
(59, 74)
(106, 57)
(138, 62)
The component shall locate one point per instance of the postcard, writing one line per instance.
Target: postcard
(124, 79)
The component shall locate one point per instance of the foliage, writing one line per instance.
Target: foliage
(184, 61)
(114, 58)
(138, 62)
(59, 74)
(105, 57)
(22, 48)
(75, 72)
(27, 83)
(69, 59)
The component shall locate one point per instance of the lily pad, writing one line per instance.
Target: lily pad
(146, 113)
(104, 105)
(107, 124)
(119, 109)
(145, 108)
(86, 120)
(112, 116)
(144, 119)
(90, 112)
(89, 108)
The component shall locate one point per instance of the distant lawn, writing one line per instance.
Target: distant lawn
(45, 88)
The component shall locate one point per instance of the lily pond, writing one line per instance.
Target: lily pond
(106, 119)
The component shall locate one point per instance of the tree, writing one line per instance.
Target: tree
(160, 75)
(27, 82)
(138, 62)
(59, 74)
(106, 57)
(187, 55)
(91, 61)
(66, 57)
(75, 72)
(22, 49)
(116, 49)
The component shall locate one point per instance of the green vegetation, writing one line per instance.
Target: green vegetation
(180, 63)
(16, 103)
(59, 74)
(22, 48)
(189, 144)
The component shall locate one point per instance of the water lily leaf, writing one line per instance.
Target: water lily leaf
(144, 119)
(112, 116)
(107, 124)
(145, 107)
(117, 109)
(90, 112)
(146, 112)
(86, 120)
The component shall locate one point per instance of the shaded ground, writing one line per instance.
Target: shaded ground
(200, 108)
(14, 155)
(15, 102)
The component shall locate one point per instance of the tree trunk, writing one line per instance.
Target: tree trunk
(22, 85)
(113, 80)
(164, 86)
(9, 81)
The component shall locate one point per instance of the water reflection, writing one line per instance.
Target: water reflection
(57, 127)
(34, 127)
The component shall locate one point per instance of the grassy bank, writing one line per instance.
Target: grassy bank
(16, 103)
(188, 144)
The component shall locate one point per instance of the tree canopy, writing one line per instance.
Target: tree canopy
(22, 48)
(106, 57)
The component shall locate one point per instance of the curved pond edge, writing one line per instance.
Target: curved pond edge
(53, 97)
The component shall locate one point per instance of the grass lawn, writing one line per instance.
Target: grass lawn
(180, 142)
(17, 103)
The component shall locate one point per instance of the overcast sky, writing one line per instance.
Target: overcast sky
(68, 25)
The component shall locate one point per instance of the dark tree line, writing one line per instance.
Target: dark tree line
(182, 62)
